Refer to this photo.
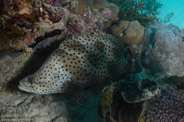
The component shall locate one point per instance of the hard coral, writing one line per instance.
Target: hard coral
(129, 32)
(104, 12)
(17, 7)
(144, 11)
(113, 108)
(99, 5)
(169, 107)
(22, 24)
(15, 15)
(161, 51)
(74, 26)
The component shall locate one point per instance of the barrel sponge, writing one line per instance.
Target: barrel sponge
(129, 32)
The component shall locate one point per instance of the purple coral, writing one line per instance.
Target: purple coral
(169, 107)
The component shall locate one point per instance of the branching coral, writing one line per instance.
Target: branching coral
(144, 11)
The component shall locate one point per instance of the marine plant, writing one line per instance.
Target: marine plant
(144, 11)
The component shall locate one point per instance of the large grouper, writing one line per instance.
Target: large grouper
(82, 60)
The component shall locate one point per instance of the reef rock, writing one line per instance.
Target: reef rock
(17, 106)
(161, 51)
(26, 23)
(129, 32)
(84, 5)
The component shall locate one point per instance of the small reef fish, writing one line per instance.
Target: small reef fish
(82, 60)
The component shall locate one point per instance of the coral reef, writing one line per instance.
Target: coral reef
(113, 108)
(167, 107)
(23, 21)
(144, 11)
(146, 75)
(129, 32)
(160, 53)
(98, 5)
(133, 92)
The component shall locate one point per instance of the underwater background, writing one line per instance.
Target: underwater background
(174, 7)
(91, 61)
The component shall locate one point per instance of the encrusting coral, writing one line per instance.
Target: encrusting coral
(23, 21)
(129, 32)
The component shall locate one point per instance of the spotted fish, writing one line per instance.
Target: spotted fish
(82, 60)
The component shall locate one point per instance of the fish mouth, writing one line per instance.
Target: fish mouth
(24, 85)
(27, 86)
